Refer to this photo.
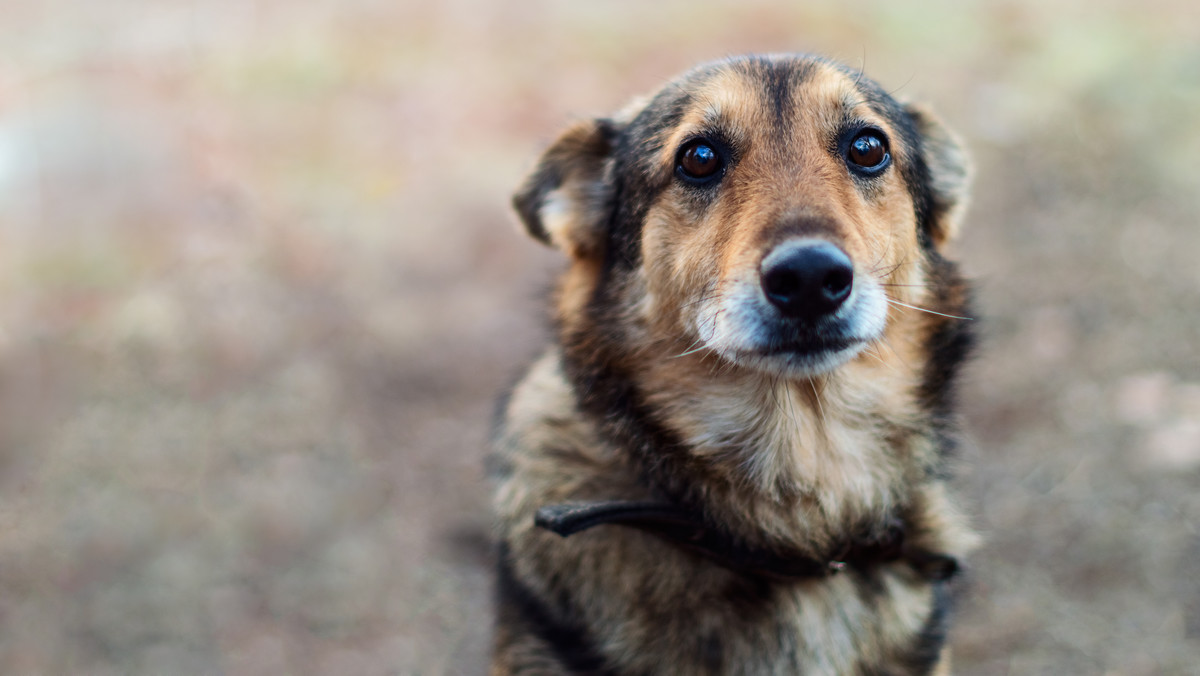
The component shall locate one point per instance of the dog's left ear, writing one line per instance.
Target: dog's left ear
(949, 174)
(564, 203)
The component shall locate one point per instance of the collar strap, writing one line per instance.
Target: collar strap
(686, 530)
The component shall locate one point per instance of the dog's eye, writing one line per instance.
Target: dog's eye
(699, 161)
(868, 151)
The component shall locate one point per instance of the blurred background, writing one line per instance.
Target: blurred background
(259, 284)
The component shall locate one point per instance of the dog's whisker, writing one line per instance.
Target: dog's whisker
(883, 340)
(792, 405)
(906, 83)
(862, 70)
(817, 399)
(694, 343)
(890, 269)
(702, 299)
(893, 301)
(691, 351)
(775, 381)
(873, 353)
(886, 250)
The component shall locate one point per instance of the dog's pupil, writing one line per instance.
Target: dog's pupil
(700, 160)
(867, 151)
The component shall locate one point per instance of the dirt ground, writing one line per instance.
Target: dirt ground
(259, 285)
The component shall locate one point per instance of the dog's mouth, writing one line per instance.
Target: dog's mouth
(809, 348)
(808, 357)
(745, 330)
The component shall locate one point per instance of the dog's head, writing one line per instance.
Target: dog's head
(776, 211)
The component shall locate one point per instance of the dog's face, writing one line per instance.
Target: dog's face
(775, 212)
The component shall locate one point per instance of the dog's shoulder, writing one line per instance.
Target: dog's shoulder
(547, 450)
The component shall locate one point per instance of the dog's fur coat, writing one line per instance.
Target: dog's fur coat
(677, 379)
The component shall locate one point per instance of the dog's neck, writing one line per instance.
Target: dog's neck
(826, 451)
(799, 461)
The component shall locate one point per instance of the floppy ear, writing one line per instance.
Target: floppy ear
(949, 174)
(564, 203)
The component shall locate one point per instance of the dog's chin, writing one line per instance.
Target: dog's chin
(798, 360)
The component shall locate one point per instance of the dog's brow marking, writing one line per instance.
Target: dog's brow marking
(778, 88)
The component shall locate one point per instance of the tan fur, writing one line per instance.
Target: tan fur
(776, 457)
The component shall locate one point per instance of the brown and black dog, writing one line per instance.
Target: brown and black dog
(733, 460)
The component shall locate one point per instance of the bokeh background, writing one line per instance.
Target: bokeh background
(259, 285)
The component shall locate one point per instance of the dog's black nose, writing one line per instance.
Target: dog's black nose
(807, 280)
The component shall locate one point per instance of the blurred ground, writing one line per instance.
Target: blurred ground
(259, 285)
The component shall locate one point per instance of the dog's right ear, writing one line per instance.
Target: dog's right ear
(949, 174)
(564, 203)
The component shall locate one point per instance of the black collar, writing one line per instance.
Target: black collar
(689, 531)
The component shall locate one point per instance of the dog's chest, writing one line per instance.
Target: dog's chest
(841, 625)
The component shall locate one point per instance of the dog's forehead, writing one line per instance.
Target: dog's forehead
(762, 90)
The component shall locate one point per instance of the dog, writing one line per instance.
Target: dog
(734, 457)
